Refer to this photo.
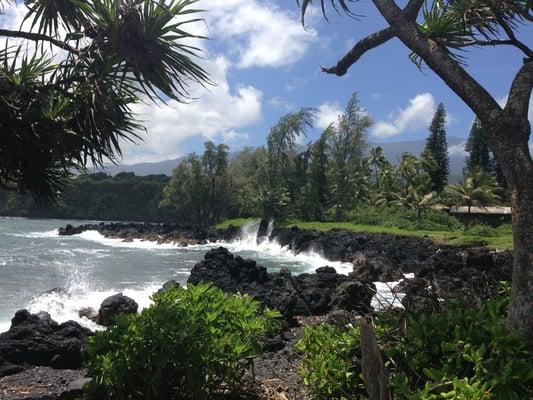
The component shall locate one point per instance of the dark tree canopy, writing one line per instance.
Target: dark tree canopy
(58, 116)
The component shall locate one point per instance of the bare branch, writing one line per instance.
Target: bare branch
(372, 41)
(364, 45)
(37, 37)
(520, 93)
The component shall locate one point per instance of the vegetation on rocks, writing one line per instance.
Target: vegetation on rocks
(457, 353)
(191, 344)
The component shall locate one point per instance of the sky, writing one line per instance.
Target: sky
(264, 64)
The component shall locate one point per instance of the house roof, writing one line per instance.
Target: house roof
(481, 210)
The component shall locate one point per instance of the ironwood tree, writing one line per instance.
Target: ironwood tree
(435, 32)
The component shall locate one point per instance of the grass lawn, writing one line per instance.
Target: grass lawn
(235, 222)
(501, 240)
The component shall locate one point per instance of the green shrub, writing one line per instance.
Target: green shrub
(191, 344)
(460, 353)
(481, 229)
(330, 368)
(432, 220)
(368, 215)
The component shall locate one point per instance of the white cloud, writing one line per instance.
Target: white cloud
(281, 104)
(259, 33)
(328, 113)
(416, 115)
(219, 114)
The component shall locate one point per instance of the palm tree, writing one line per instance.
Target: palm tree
(418, 196)
(72, 113)
(379, 162)
(479, 189)
(388, 188)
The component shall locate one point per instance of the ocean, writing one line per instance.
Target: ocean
(42, 271)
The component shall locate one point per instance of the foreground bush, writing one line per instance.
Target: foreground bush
(459, 354)
(191, 344)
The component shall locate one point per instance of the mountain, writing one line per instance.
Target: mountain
(156, 168)
(393, 151)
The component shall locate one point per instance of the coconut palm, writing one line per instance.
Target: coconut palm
(76, 110)
(379, 162)
(479, 189)
(418, 196)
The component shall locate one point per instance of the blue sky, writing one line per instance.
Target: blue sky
(266, 64)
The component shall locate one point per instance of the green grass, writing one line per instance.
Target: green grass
(235, 222)
(502, 239)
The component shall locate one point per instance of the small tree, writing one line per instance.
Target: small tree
(479, 189)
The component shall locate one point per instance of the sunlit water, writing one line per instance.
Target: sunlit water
(87, 268)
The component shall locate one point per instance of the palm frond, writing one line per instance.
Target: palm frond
(338, 5)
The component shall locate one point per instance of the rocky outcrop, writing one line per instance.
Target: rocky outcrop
(305, 294)
(386, 253)
(114, 306)
(182, 235)
(43, 383)
(89, 313)
(169, 285)
(37, 340)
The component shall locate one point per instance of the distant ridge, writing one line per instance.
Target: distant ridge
(142, 169)
(392, 150)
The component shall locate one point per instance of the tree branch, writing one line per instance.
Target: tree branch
(517, 43)
(438, 59)
(412, 9)
(520, 93)
(372, 41)
(485, 43)
(37, 37)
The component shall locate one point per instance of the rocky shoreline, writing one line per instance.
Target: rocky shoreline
(36, 345)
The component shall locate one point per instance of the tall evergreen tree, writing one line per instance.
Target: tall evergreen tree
(436, 150)
(478, 150)
(480, 155)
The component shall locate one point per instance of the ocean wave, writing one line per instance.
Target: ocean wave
(310, 260)
(385, 298)
(36, 235)
(96, 236)
(4, 326)
(64, 305)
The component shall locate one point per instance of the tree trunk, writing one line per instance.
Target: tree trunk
(512, 153)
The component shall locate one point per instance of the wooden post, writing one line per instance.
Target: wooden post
(374, 373)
